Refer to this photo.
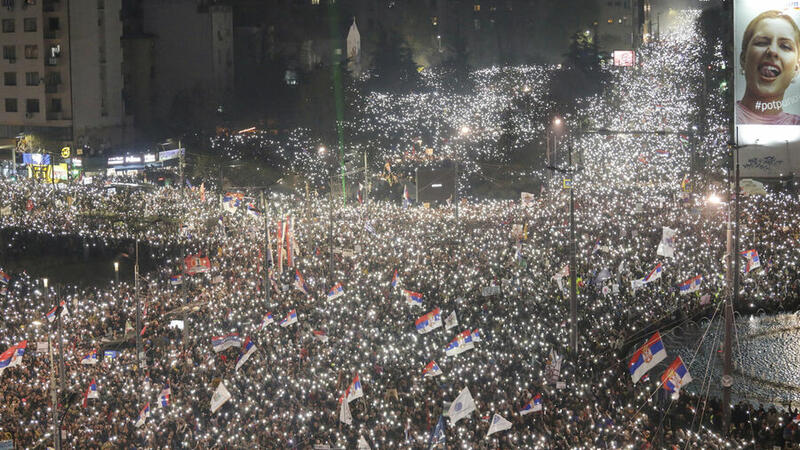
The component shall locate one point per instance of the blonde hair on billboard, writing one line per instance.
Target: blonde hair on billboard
(751, 29)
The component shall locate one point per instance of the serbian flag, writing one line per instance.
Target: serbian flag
(143, 414)
(4, 277)
(752, 260)
(176, 280)
(53, 313)
(336, 291)
(690, 285)
(163, 396)
(354, 391)
(289, 319)
(413, 298)
(196, 264)
(431, 370)
(654, 274)
(319, 335)
(220, 343)
(676, 376)
(532, 406)
(91, 358)
(91, 392)
(461, 343)
(360, 196)
(12, 356)
(429, 321)
(406, 196)
(299, 283)
(647, 357)
(249, 348)
(265, 321)
(395, 279)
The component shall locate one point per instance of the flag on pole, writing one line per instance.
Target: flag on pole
(666, 247)
(654, 274)
(413, 298)
(248, 349)
(451, 321)
(354, 391)
(90, 359)
(265, 321)
(144, 413)
(395, 279)
(499, 423)
(406, 196)
(676, 376)
(299, 283)
(690, 285)
(429, 321)
(221, 395)
(647, 357)
(163, 396)
(344, 411)
(431, 370)
(291, 318)
(752, 260)
(437, 435)
(461, 407)
(91, 392)
(336, 291)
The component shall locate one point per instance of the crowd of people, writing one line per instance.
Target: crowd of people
(293, 323)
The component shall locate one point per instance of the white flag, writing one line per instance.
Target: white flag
(221, 395)
(344, 413)
(363, 444)
(451, 321)
(498, 424)
(461, 406)
(667, 245)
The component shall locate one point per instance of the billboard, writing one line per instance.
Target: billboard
(624, 58)
(39, 159)
(766, 88)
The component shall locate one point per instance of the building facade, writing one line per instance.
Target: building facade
(62, 78)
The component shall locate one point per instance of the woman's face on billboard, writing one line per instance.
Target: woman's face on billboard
(771, 59)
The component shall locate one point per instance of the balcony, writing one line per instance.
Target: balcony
(51, 34)
(50, 5)
(53, 115)
(51, 61)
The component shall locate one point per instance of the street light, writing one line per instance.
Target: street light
(116, 272)
(554, 131)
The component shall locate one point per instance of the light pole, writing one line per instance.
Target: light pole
(329, 161)
(552, 159)
(138, 314)
(116, 272)
(53, 376)
(464, 131)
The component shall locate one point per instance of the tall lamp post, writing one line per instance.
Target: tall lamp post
(328, 157)
(53, 376)
(116, 272)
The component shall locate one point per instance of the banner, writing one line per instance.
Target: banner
(767, 100)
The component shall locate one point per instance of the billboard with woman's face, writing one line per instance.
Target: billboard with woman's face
(767, 86)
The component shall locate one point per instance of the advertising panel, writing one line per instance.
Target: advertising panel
(766, 88)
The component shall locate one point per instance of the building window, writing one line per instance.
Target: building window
(435, 20)
(315, 2)
(32, 78)
(29, 24)
(476, 7)
(10, 78)
(11, 105)
(10, 53)
(55, 105)
(31, 52)
(8, 25)
(32, 105)
(53, 24)
(477, 23)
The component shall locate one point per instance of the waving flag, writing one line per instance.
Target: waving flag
(437, 435)
(247, 350)
(690, 285)
(221, 395)
(232, 201)
(676, 376)
(91, 392)
(91, 358)
(354, 391)
(143, 414)
(406, 196)
(299, 283)
(344, 411)
(451, 321)
(395, 279)
(53, 313)
(176, 280)
(532, 406)
(413, 298)
(647, 357)
(667, 245)
(4, 277)
(265, 321)
(253, 211)
(476, 335)
(360, 196)
(221, 343)
(12, 356)
(320, 335)
(290, 319)
(429, 321)
(163, 396)
(752, 260)
(461, 406)
(654, 274)
(431, 370)
(499, 423)
(461, 343)
(336, 291)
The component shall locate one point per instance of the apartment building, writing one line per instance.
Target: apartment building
(61, 72)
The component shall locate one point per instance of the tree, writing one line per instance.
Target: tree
(456, 70)
(581, 74)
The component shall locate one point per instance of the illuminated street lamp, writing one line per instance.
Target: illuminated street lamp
(116, 272)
